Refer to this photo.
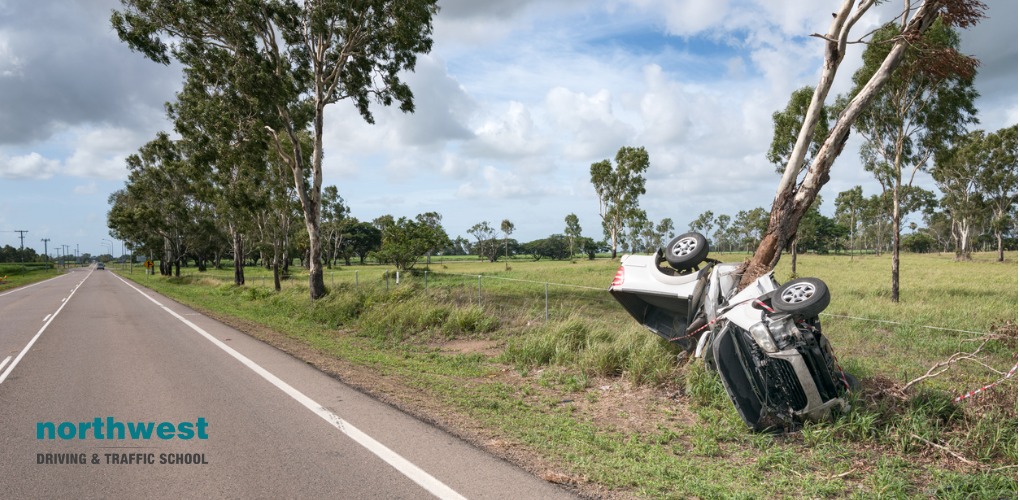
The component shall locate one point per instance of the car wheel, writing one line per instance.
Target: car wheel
(851, 381)
(803, 297)
(686, 251)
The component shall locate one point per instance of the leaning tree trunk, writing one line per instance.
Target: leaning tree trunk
(791, 201)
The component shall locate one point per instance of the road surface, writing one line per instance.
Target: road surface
(90, 362)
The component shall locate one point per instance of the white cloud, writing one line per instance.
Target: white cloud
(512, 134)
(30, 166)
(100, 153)
(594, 131)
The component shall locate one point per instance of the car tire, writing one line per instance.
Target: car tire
(686, 251)
(806, 297)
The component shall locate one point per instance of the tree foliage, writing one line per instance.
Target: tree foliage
(293, 58)
(618, 189)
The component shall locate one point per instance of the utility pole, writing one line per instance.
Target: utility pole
(21, 234)
(46, 251)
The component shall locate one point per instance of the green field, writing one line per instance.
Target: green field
(14, 275)
(588, 397)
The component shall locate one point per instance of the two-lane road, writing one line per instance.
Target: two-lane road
(89, 350)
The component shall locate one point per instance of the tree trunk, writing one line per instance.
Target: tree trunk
(791, 201)
(896, 247)
(276, 268)
(238, 256)
(998, 238)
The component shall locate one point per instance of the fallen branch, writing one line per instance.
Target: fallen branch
(944, 366)
(947, 450)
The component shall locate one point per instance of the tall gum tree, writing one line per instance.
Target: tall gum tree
(793, 199)
(618, 190)
(926, 103)
(296, 58)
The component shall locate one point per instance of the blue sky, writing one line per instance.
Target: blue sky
(514, 103)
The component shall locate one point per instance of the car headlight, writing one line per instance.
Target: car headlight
(763, 337)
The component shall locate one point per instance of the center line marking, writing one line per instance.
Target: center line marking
(28, 346)
(401, 464)
(2, 365)
(47, 317)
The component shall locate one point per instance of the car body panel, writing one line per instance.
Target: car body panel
(778, 377)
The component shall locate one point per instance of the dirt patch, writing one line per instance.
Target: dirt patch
(489, 348)
(618, 404)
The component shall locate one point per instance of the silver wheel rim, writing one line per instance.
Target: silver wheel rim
(684, 247)
(798, 293)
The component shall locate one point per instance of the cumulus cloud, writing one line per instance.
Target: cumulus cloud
(51, 79)
(594, 129)
(512, 134)
(30, 166)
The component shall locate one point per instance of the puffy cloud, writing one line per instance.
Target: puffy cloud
(30, 166)
(594, 129)
(512, 134)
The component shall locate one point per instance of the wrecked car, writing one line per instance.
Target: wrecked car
(765, 341)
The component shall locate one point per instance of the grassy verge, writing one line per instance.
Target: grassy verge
(21, 275)
(592, 399)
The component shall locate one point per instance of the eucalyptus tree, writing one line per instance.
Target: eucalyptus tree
(850, 206)
(721, 235)
(158, 206)
(998, 182)
(957, 172)
(793, 199)
(925, 104)
(295, 57)
(618, 189)
(572, 231)
(334, 213)
(485, 235)
(434, 234)
(406, 241)
(221, 132)
(704, 223)
(507, 228)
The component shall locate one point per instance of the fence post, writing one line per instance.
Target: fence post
(426, 282)
(547, 301)
(398, 277)
(479, 290)
(357, 284)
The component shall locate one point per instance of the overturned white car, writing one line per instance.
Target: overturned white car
(765, 341)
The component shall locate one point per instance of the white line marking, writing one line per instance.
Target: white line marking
(46, 318)
(30, 286)
(401, 464)
(2, 365)
(41, 330)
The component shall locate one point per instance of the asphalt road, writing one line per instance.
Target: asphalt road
(88, 350)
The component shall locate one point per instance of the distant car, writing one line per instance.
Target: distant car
(100, 266)
(764, 341)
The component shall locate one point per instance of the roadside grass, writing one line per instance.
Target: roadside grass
(552, 386)
(25, 274)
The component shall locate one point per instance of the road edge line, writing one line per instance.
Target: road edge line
(401, 464)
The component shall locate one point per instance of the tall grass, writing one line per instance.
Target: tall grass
(882, 447)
